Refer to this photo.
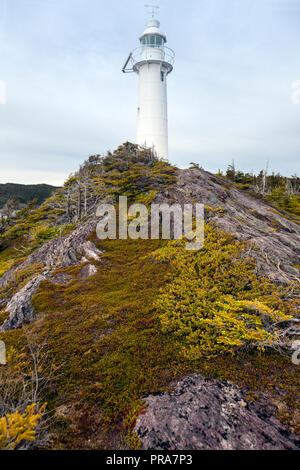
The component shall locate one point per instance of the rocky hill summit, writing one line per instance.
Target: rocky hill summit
(123, 319)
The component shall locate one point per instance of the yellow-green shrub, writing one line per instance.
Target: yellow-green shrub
(15, 428)
(215, 302)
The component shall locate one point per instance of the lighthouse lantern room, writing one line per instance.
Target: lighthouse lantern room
(152, 62)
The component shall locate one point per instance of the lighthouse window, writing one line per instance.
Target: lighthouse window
(162, 76)
(152, 41)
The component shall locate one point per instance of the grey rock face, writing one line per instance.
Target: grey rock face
(210, 415)
(72, 249)
(20, 308)
(274, 238)
(89, 250)
(62, 251)
(87, 270)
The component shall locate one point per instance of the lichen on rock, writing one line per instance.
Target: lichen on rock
(201, 414)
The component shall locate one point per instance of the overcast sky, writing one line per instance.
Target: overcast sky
(230, 94)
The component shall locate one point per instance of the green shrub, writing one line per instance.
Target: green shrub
(216, 303)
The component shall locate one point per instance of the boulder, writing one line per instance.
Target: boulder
(210, 415)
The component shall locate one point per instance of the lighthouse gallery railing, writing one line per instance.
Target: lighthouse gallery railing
(146, 53)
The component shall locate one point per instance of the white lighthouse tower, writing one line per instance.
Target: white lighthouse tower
(152, 62)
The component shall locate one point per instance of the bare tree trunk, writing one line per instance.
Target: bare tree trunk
(79, 203)
(265, 178)
(233, 170)
(85, 200)
(68, 206)
(288, 187)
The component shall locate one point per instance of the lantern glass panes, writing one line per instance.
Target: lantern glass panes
(152, 41)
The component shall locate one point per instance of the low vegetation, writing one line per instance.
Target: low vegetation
(24, 381)
(17, 429)
(152, 313)
(282, 191)
(216, 303)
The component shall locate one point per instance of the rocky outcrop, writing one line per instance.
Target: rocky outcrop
(72, 249)
(62, 251)
(210, 415)
(273, 236)
(19, 308)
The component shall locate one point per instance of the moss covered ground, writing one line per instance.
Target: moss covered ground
(105, 337)
(152, 313)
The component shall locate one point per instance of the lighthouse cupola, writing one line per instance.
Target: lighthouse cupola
(152, 62)
(152, 37)
(153, 41)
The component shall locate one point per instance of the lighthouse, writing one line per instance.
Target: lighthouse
(152, 61)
